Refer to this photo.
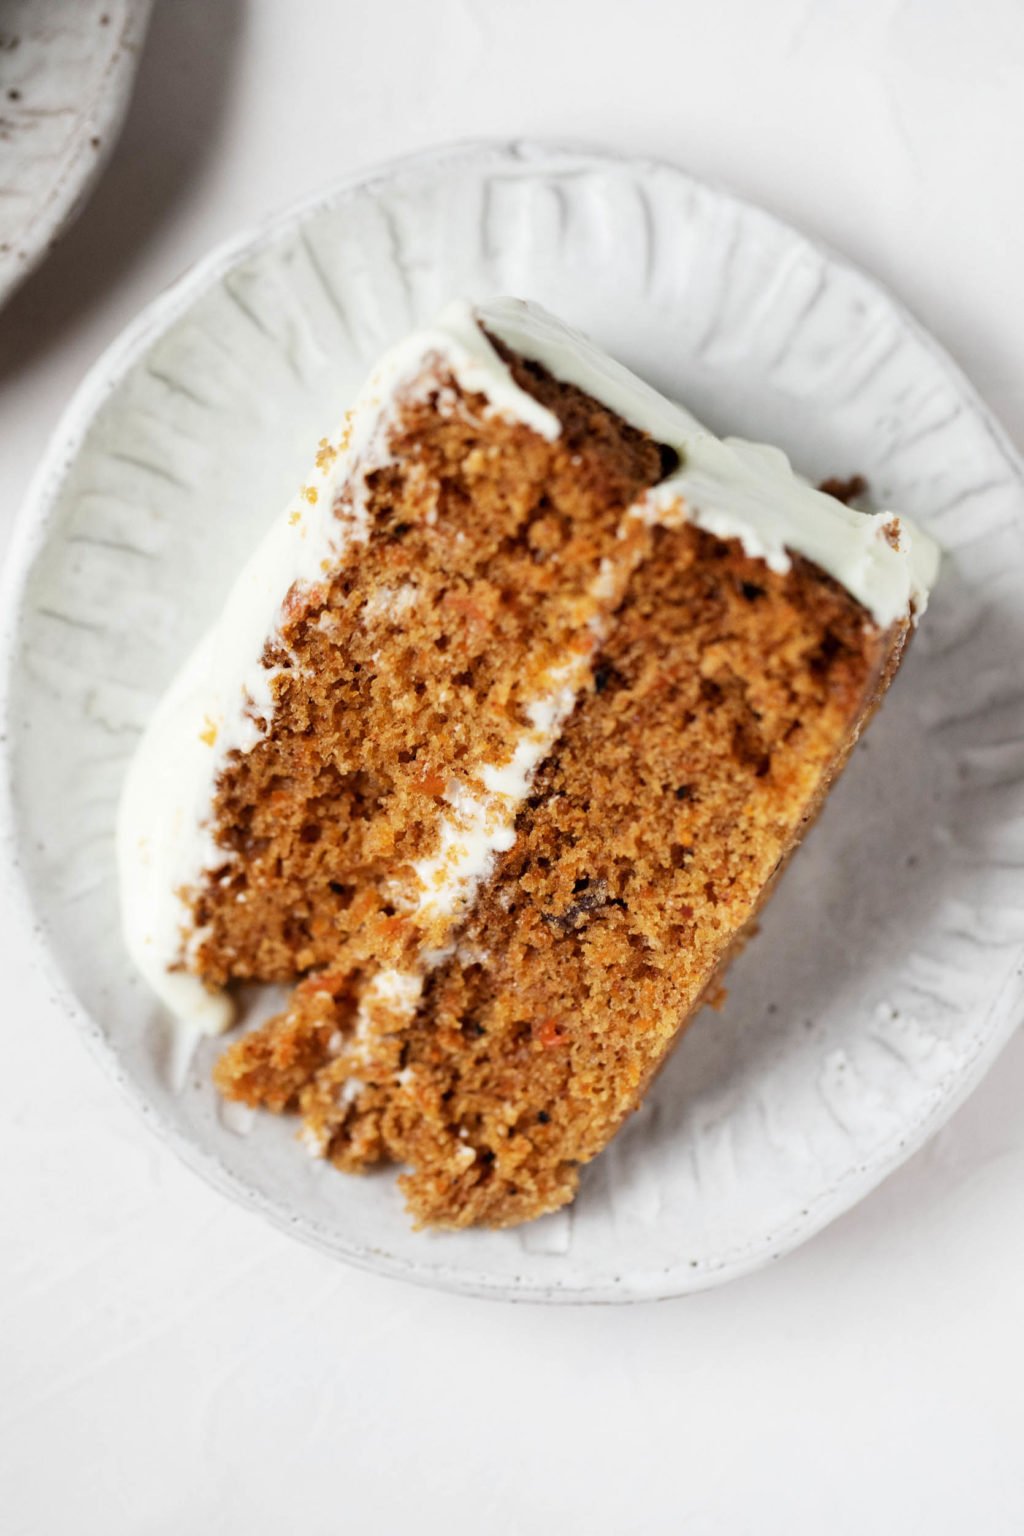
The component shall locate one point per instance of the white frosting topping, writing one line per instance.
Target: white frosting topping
(223, 698)
(731, 488)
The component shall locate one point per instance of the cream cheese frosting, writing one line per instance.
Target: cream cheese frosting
(222, 700)
(732, 488)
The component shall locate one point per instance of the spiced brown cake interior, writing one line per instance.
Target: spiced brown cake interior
(498, 748)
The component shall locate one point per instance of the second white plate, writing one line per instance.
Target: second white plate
(66, 74)
(889, 968)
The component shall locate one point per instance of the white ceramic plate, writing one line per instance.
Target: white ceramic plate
(66, 73)
(889, 968)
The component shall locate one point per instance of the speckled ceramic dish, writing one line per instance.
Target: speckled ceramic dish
(66, 73)
(888, 971)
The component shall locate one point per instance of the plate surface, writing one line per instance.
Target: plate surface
(66, 73)
(888, 971)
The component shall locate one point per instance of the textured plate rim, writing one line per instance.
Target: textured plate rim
(28, 538)
(100, 120)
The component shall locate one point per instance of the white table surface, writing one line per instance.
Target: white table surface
(170, 1365)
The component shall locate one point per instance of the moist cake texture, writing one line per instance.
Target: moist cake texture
(498, 749)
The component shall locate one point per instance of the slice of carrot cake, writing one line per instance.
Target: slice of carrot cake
(504, 734)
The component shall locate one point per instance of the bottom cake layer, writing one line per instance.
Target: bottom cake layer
(721, 707)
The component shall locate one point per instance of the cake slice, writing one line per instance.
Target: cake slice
(502, 739)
